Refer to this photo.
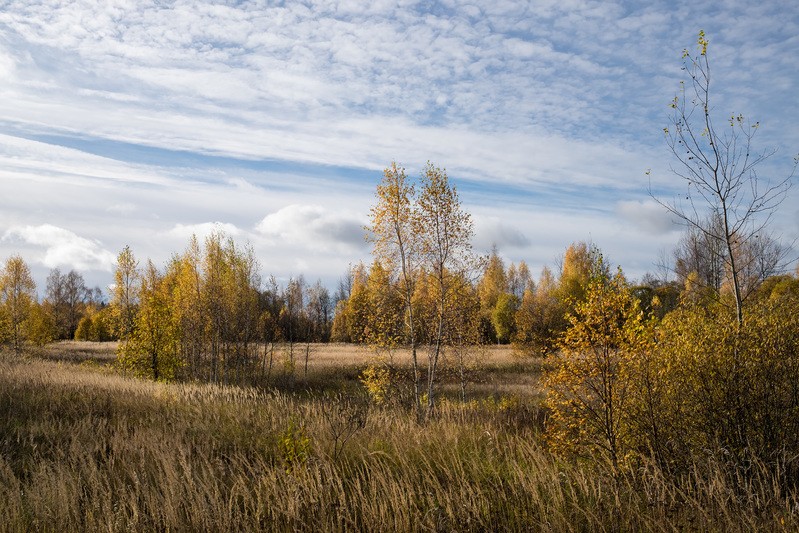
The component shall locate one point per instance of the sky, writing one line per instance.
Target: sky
(141, 123)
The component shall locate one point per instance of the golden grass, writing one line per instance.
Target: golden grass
(82, 449)
(79, 351)
(338, 354)
(494, 371)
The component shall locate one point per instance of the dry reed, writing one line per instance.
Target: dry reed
(87, 450)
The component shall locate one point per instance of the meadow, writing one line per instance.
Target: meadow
(84, 448)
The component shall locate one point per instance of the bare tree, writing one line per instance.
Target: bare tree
(292, 318)
(698, 253)
(66, 298)
(54, 302)
(318, 310)
(704, 259)
(718, 163)
(76, 296)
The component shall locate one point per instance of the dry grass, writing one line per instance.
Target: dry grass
(79, 351)
(492, 370)
(84, 449)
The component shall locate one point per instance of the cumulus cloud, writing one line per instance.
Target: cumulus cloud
(647, 216)
(492, 231)
(312, 226)
(63, 247)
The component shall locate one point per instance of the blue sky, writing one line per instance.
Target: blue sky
(139, 123)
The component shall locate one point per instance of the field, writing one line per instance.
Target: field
(83, 448)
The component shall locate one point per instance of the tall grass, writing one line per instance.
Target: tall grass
(87, 450)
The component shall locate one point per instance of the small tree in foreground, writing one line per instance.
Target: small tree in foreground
(590, 388)
(417, 237)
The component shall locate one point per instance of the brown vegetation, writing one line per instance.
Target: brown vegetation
(86, 449)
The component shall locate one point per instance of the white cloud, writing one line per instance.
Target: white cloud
(491, 231)
(647, 216)
(313, 227)
(123, 208)
(203, 230)
(64, 248)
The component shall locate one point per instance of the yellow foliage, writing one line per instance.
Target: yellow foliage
(17, 299)
(709, 384)
(294, 445)
(376, 378)
(589, 390)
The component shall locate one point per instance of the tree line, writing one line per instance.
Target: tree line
(208, 315)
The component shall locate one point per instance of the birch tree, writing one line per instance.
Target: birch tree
(718, 162)
(422, 236)
(124, 297)
(445, 232)
(396, 244)
(17, 298)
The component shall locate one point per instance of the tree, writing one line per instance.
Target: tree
(124, 298)
(94, 326)
(153, 349)
(352, 313)
(589, 390)
(463, 328)
(188, 302)
(318, 307)
(718, 164)
(291, 319)
(492, 285)
(241, 290)
(39, 327)
(386, 326)
(445, 232)
(54, 301)
(578, 264)
(17, 298)
(704, 260)
(397, 245)
(229, 299)
(696, 252)
(519, 279)
(66, 298)
(541, 317)
(503, 317)
(270, 305)
(76, 295)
